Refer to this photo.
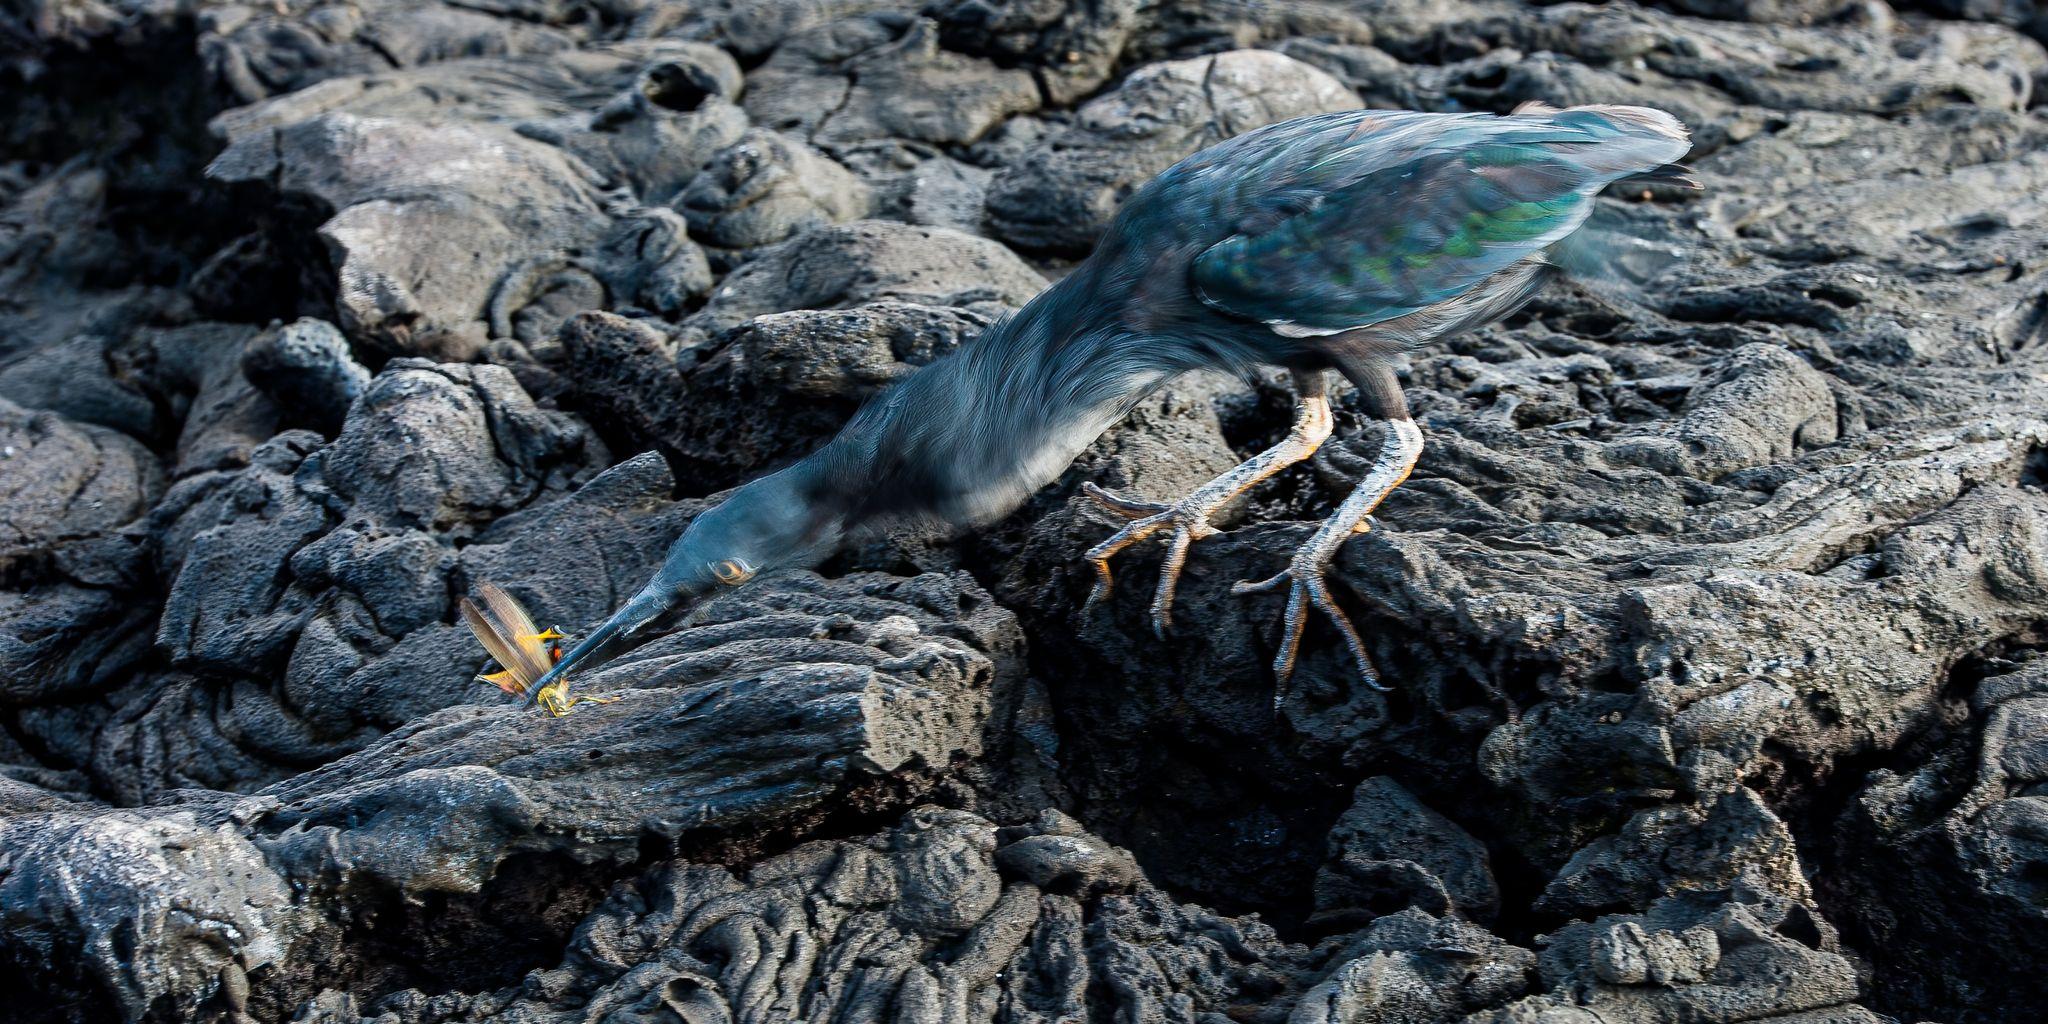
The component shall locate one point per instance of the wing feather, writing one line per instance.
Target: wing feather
(1389, 223)
(501, 649)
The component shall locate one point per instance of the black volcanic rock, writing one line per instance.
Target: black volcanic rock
(308, 372)
(1940, 851)
(869, 260)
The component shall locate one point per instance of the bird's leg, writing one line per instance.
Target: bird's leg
(1305, 572)
(1189, 517)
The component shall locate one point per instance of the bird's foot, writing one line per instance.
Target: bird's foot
(1305, 574)
(1189, 521)
(1188, 518)
(1307, 585)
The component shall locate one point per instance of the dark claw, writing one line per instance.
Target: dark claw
(1306, 588)
(1101, 590)
(1183, 523)
(1118, 505)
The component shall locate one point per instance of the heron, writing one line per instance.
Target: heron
(1334, 242)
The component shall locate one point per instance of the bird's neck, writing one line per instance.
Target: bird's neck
(967, 439)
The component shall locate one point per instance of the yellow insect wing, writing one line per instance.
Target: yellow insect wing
(507, 633)
(505, 681)
(501, 648)
(515, 624)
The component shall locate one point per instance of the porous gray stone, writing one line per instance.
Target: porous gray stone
(1949, 848)
(68, 490)
(763, 710)
(880, 76)
(1389, 851)
(767, 187)
(308, 372)
(870, 260)
(160, 911)
(417, 255)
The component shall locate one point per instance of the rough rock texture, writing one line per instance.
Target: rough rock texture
(867, 261)
(1947, 846)
(761, 393)
(883, 75)
(1059, 195)
(1714, 612)
(409, 245)
(767, 187)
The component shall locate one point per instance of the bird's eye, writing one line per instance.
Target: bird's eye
(732, 572)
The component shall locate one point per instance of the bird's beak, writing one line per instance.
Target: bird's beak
(645, 606)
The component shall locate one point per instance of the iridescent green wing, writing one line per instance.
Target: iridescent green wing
(1405, 236)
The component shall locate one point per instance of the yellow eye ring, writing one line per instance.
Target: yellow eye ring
(732, 571)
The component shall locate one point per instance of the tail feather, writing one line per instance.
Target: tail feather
(1626, 141)
(1644, 119)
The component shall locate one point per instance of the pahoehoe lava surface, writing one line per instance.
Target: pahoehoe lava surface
(1716, 613)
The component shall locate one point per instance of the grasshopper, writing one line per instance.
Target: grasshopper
(522, 652)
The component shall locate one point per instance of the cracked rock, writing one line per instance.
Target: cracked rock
(882, 75)
(767, 187)
(416, 254)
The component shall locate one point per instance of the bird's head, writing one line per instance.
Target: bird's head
(770, 523)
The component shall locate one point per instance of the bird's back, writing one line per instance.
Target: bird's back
(1344, 221)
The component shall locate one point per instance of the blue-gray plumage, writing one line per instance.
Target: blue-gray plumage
(1329, 242)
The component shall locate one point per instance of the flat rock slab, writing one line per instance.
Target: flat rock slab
(742, 721)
